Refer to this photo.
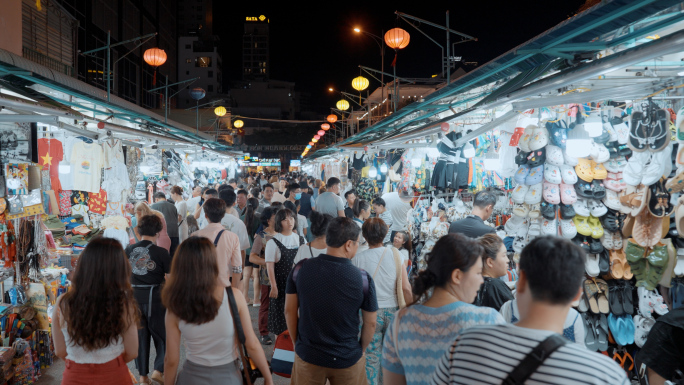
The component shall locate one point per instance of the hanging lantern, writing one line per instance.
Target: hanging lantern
(325, 126)
(444, 127)
(397, 38)
(321, 132)
(238, 123)
(342, 105)
(197, 93)
(220, 111)
(100, 125)
(155, 57)
(360, 83)
(308, 146)
(310, 143)
(332, 118)
(317, 137)
(365, 148)
(314, 140)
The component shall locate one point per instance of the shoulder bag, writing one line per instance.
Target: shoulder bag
(250, 372)
(534, 359)
(401, 301)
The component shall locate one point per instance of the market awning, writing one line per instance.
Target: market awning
(605, 25)
(27, 77)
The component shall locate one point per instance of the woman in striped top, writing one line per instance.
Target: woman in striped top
(421, 333)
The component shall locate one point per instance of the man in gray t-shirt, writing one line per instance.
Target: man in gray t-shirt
(329, 202)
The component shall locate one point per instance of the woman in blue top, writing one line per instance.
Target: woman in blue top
(421, 333)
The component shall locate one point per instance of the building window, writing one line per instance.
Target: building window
(210, 88)
(210, 74)
(203, 61)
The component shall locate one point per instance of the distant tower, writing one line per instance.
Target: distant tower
(255, 56)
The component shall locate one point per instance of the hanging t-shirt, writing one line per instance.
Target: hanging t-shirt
(81, 210)
(112, 152)
(116, 181)
(149, 263)
(87, 162)
(50, 153)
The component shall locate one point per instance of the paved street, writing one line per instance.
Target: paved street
(53, 376)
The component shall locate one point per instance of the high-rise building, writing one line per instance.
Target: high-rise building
(199, 58)
(195, 17)
(255, 55)
(125, 20)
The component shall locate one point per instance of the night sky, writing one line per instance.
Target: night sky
(313, 44)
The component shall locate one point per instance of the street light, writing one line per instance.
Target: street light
(378, 40)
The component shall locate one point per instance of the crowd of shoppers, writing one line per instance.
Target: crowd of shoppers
(334, 277)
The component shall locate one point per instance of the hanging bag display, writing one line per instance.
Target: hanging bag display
(250, 372)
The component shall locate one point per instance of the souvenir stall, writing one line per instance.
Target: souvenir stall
(585, 144)
(210, 168)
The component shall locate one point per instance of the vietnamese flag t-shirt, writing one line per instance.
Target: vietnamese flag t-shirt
(50, 153)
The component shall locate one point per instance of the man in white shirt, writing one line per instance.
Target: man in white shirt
(199, 213)
(398, 204)
(194, 200)
(234, 224)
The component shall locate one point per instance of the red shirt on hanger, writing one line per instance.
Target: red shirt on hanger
(50, 153)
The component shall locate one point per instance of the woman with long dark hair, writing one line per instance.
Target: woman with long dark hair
(198, 309)
(453, 275)
(280, 255)
(95, 323)
(251, 269)
(257, 256)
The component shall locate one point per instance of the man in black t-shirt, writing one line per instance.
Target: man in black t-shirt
(149, 266)
(663, 352)
(473, 225)
(323, 299)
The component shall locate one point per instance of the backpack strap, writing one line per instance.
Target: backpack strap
(218, 237)
(366, 282)
(534, 360)
(295, 270)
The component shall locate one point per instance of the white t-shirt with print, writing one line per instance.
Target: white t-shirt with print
(305, 252)
(272, 253)
(386, 277)
(235, 225)
(301, 224)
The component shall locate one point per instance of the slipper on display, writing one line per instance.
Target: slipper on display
(607, 241)
(583, 170)
(659, 136)
(540, 139)
(648, 231)
(679, 216)
(596, 228)
(568, 174)
(521, 158)
(519, 193)
(598, 171)
(534, 194)
(549, 227)
(639, 132)
(521, 210)
(639, 200)
(598, 191)
(521, 174)
(590, 336)
(515, 137)
(536, 158)
(519, 244)
(602, 297)
(535, 211)
(654, 170)
(645, 304)
(582, 225)
(679, 266)
(568, 195)
(610, 222)
(676, 184)
(581, 208)
(595, 247)
(611, 182)
(548, 210)
(591, 265)
(551, 193)
(583, 189)
(566, 211)
(558, 133)
(513, 224)
(599, 153)
(617, 240)
(567, 228)
(597, 208)
(621, 129)
(609, 128)
(634, 170)
(536, 175)
(524, 142)
(554, 156)
(616, 165)
(552, 174)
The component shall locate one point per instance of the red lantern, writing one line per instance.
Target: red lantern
(100, 125)
(444, 127)
(326, 126)
(397, 38)
(311, 144)
(332, 118)
(317, 137)
(365, 148)
(321, 132)
(155, 57)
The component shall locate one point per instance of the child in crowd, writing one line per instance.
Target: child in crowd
(380, 208)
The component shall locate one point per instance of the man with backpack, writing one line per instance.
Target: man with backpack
(323, 299)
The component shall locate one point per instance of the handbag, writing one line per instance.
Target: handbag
(250, 372)
(401, 301)
(521, 373)
(283, 355)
